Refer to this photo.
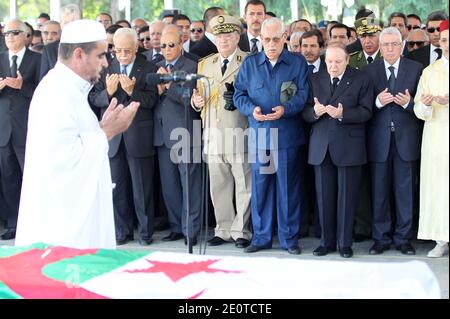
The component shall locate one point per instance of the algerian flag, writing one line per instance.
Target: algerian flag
(43, 271)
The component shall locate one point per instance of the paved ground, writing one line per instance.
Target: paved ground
(440, 266)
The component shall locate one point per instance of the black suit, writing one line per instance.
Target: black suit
(170, 116)
(2, 43)
(394, 141)
(421, 55)
(354, 47)
(337, 149)
(203, 47)
(14, 106)
(49, 58)
(244, 44)
(132, 150)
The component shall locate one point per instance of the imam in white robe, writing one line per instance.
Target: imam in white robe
(66, 194)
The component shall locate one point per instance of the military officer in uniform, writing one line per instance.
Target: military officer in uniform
(368, 30)
(224, 139)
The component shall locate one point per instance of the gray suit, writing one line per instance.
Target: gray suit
(170, 116)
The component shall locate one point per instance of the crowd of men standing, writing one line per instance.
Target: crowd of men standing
(333, 126)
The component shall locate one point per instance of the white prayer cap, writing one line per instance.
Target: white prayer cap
(83, 31)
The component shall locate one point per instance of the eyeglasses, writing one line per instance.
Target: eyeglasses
(414, 43)
(431, 30)
(124, 51)
(199, 30)
(145, 39)
(412, 27)
(275, 40)
(391, 44)
(12, 32)
(170, 45)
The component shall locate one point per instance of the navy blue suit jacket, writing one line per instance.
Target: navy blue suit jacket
(14, 104)
(346, 139)
(408, 128)
(258, 84)
(170, 111)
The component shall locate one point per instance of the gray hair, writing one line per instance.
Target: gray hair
(65, 51)
(126, 32)
(392, 31)
(274, 21)
(422, 32)
(52, 22)
(297, 34)
(172, 28)
(22, 26)
(69, 13)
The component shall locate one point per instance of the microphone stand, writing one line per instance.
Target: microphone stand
(186, 103)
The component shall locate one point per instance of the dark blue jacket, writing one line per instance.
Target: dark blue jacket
(408, 128)
(345, 139)
(258, 84)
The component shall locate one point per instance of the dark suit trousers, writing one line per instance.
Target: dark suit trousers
(397, 176)
(337, 193)
(140, 170)
(276, 184)
(11, 169)
(173, 182)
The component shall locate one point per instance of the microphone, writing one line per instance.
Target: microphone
(178, 76)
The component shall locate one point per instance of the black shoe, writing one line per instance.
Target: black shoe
(406, 249)
(10, 234)
(216, 241)
(242, 243)
(294, 250)
(346, 252)
(378, 248)
(357, 238)
(162, 225)
(172, 237)
(193, 240)
(253, 249)
(145, 242)
(322, 251)
(124, 240)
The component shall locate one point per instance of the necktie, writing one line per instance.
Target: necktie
(439, 53)
(254, 46)
(391, 81)
(224, 66)
(311, 69)
(334, 86)
(124, 70)
(369, 60)
(14, 66)
(169, 67)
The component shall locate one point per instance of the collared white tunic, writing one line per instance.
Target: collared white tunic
(66, 194)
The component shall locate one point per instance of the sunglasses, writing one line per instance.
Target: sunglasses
(410, 27)
(431, 30)
(414, 43)
(12, 32)
(170, 45)
(145, 39)
(199, 30)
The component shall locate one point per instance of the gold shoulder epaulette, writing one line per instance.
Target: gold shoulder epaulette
(208, 56)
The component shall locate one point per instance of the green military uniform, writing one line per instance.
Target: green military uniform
(229, 170)
(363, 214)
(364, 26)
(358, 59)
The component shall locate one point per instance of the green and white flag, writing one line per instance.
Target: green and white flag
(41, 271)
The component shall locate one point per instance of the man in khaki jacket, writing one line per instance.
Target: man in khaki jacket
(224, 135)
